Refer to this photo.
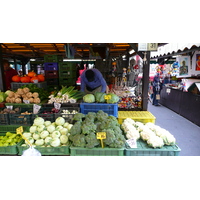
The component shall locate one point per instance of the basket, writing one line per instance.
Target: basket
(21, 119)
(144, 150)
(49, 74)
(67, 117)
(78, 151)
(46, 151)
(140, 116)
(110, 109)
(50, 66)
(15, 86)
(53, 58)
(46, 117)
(4, 118)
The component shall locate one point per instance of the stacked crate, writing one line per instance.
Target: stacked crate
(51, 70)
(67, 73)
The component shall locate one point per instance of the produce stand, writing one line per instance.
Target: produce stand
(144, 150)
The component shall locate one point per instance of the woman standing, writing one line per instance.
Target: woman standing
(157, 86)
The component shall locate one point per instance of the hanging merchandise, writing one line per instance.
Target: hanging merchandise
(184, 66)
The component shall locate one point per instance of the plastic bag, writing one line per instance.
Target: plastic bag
(31, 152)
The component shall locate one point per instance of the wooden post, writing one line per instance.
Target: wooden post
(145, 81)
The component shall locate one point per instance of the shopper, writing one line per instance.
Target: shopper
(92, 81)
(8, 74)
(157, 86)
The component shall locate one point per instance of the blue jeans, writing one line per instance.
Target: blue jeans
(155, 101)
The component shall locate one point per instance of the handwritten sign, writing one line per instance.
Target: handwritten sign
(57, 106)
(132, 143)
(101, 136)
(36, 108)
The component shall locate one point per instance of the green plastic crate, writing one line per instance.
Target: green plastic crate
(144, 150)
(67, 74)
(67, 66)
(53, 58)
(9, 150)
(11, 128)
(78, 151)
(47, 151)
(46, 117)
(21, 119)
(4, 119)
(15, 85)
(67, 81)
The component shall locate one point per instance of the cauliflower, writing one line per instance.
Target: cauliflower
(146, 133)
(155, 141)
(130, 130)
(129, 121)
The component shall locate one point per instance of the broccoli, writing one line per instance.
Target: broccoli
(110, 137)
(101, 115)
(88, 127)
(119, 141)
(78, 140)
(91, 140)
(91, 115)
(78, 117)
(76, 128)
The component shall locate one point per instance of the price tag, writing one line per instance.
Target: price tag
(132, 143)
(57, 106)
(168, 90)
(36, 108)
(9, 107)
(26, 101)
(107, 97)
(19, 130)
(101, 135)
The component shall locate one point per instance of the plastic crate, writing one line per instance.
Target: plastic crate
(67, 81)
(110, 109)
(4, 118)
(46, 117)
(67, 74)
(52, 82)
(53, 87)
(9, 150)
(140, 116)
(11, 128)
(144, 150)
(67, 117)
(51, 66)
(46, 151)
(53, 58)
(15, 86)
(21, 119)
(67, 66)
(78, 151)
(51, 74)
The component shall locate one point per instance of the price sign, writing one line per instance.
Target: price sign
(132, 143)
(26, 101)
(36, 108)
(168, 90)
(57, 106)
(9, 107)
(107, 97)
(101, 136)
(147, 46)
(142, 46)
(19, 130)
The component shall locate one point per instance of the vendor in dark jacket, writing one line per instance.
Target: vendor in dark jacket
(92, 81)
(157, 86)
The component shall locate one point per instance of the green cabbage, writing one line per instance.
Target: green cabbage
(89, 98)
(114, 98)
(100, 97)
(2, 96)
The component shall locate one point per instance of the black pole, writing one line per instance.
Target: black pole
(145, 82)
(15, 63)
(2, 78)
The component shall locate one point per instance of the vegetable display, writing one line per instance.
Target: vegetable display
(83, 132)
(154, 135)
(3, 96)
(46, 134)
(65, 95)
